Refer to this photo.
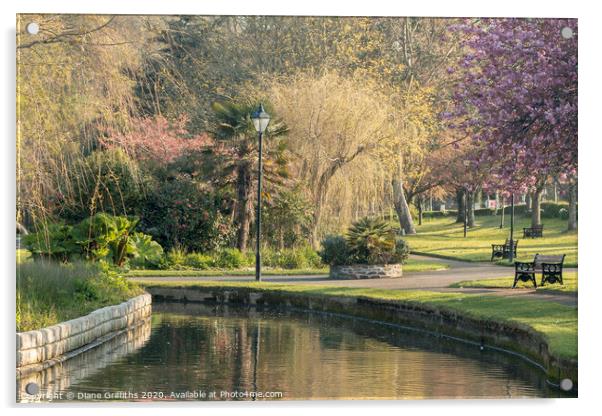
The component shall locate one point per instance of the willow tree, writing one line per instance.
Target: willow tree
(336, 124)
(72, 84)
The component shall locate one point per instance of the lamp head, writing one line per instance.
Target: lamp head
(260, 119)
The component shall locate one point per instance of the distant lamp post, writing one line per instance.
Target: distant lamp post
(466, 164)
(260, 119)
(511, 253)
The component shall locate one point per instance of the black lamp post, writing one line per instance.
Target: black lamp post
(466, 164)
(511, 252)
(261, 119)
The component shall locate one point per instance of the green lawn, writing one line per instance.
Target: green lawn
(557, 322)
(570, 283)
(410, 266)
(444, 237)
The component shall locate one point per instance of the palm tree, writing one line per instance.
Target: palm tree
(235, 133)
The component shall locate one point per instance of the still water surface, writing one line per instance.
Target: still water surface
(202, 352)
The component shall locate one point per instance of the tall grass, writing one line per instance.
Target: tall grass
(50, 292)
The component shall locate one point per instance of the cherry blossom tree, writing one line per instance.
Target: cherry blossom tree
(156, 139)
(516, 99)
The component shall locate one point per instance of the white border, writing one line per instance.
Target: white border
(590, 236)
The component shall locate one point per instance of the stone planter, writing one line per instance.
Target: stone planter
(366, 271)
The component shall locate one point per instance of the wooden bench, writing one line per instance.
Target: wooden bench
(533, 232)
(550, 268)
(502, 251)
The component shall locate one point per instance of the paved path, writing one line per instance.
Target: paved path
(438, 280)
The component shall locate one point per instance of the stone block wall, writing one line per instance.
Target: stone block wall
(366, 271)
(40, 347)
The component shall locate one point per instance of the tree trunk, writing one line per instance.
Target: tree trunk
(572, 225)
(555, 191)
(244, 205)
(460, 203)
(535, 207)
(470, 196)
(420, 210)
(528, 201)
(502, 216)
(402, 208)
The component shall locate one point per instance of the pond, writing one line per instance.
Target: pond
(212, 352)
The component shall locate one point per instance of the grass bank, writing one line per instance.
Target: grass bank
(411, 265)
(444, 237)
(557, 323)
(49, 293)
(569, 286)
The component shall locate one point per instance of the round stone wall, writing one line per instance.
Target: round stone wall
(366, 271)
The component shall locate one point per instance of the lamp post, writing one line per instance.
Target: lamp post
(466, 164)
(511, 252)
(260, 119)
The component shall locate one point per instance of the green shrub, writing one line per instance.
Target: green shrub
(54, 242)
(249, 258)
(292, 259)
(402, 250)
(563, 214)
(145, 252)
(176, 258)
(229, 258)
(368, 241)
(437, 214)
(519, 209)
(484, 211)
(312, 258)
(371, 241)
(335, 250)
(99, 237)
(198, 261)
(182, 212)
(552, 209)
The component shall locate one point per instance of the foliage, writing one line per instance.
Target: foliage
(517, 98)
(180, 212)
(108, 181)
(199, 261)
(55, 242)
(156, 139)
(371, 240)
(73, 83)
(100, 237)
(238, 154)
(104, 236)
(552, 209)
(145, 252)
(230, 258)
(291, 258)
(286, 218)
(335, 250)
(50, 292)
(175, 258)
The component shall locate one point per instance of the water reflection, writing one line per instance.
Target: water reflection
(205, 352)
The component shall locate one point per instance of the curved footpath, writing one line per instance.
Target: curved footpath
(437, 280)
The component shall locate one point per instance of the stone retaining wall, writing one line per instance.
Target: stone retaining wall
(365, 271)
(42, 348)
